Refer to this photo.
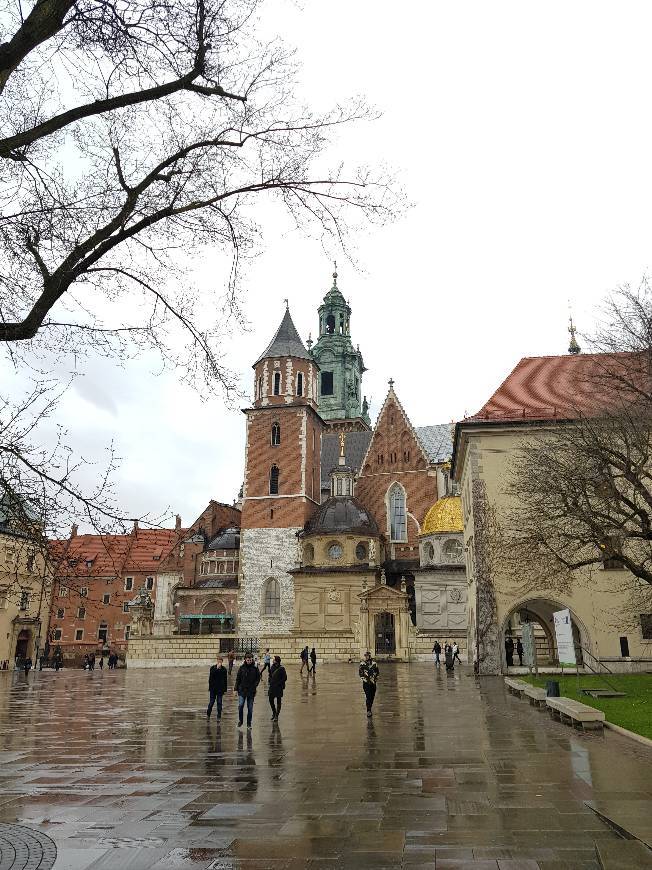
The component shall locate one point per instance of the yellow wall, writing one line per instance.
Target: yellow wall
(596, 599)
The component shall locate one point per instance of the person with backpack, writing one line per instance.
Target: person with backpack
(217, 679)
(277, 680)
(303, 655)
(313, 661)
(246, 683)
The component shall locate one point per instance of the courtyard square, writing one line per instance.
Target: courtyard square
(121, 769)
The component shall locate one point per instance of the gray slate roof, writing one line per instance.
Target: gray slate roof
(437, 441)
(356, 447)
(286, 342)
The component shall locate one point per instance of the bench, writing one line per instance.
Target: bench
(516, 687)
(575, 713)
(537, 697)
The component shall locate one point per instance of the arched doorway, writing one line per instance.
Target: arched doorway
(385, 633)
(539, 612)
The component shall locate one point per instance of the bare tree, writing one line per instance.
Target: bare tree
(134, 133)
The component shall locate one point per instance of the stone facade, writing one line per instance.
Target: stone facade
(266, 554)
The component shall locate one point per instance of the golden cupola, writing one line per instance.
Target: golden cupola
(444, 517)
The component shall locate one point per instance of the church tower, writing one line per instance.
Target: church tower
(341, 366)
(282, 479)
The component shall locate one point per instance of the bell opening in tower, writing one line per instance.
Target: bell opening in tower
(327, 383)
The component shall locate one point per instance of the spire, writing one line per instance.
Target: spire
(573, 346)
(286, 341)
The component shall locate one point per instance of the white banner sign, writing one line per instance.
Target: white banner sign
(564, 635)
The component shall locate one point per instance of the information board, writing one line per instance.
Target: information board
(564, 635)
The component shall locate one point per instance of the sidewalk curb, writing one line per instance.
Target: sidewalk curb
(625, 733)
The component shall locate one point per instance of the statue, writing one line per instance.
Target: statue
(365, 407)
(342, 440)
(403, 584)
(372, 551)
(383, 579)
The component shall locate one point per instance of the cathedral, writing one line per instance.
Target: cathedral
(350, 536)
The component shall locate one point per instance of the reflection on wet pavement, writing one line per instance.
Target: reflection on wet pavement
(122, 770)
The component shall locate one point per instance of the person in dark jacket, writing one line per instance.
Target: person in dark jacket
(246, 682)
(448, 655)
(231, 658)
(437, 652)
(216, 686)
(277, 680)
(304, 659)
(368, 672)
(519, 651)
(313, 660)
(509, 651)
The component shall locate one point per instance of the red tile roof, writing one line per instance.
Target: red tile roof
(109, 555)
(556, 387)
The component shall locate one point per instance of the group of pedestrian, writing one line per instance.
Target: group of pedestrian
(308, 660)
(451, 653)
(509, 651)
(247, 680)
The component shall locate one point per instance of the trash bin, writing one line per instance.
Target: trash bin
(552, 688)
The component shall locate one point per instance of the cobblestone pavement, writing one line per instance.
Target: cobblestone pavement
(122, 770)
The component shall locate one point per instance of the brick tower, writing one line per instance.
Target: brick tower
(282, 479)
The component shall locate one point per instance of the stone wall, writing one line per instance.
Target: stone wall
(266, 553)
(175, 651)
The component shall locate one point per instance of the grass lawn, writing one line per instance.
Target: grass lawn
(633, 712)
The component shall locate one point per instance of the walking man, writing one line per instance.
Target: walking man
(509, 651)
(456, 653)
(437, 651)
(277, 680)
(519, 651)
(369, 674)
(267, 660)
(304, 659)
(216, 687)
(246, 682)
(313, 660)
(231, 657)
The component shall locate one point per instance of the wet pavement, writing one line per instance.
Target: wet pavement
(121, 770)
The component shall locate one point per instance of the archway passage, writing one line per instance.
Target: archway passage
(385, 633)
(539, 612)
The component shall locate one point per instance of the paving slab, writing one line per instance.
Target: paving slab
(122, 770)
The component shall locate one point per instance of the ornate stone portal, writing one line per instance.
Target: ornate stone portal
(385, 625)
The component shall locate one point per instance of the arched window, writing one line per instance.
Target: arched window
(330, 324)
(276, 434)
(273, 480)
(277, 383)
(300, 384)
(272, 598)
(397, 513)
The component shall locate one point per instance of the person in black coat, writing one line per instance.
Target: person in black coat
(509, 651)
(217, 678)
(519, 651)
(313, 661)
(277, 680)
(246, 683)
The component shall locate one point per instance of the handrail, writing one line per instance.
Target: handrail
(586, 652)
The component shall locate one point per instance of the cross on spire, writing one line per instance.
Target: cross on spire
(391, 383)
(334, 273)
(287, 304)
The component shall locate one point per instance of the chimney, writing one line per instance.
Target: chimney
(177, 524)
(73, 530)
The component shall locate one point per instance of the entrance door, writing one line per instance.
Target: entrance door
(385, 634)
(22, 644)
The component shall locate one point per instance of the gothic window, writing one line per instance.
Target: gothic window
(273, 480)
(397, 513)
(277, 383)
(272, 598)
(327, 383)
(300, 384)
(330, 324)
(276, 434)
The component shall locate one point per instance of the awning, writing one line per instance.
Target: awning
(221, 616)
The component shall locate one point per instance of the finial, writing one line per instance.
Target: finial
(310, 341)
(287, 304)
(342, 440)
(334, 273)
(391, 383)
(573, 346)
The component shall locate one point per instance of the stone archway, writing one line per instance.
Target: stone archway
(539, 611)
(23, 643)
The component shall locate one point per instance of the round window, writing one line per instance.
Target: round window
(335, 552)
(361, 552)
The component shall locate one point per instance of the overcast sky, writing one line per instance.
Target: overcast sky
(521, 133)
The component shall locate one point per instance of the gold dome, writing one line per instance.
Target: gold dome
(444, 516)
